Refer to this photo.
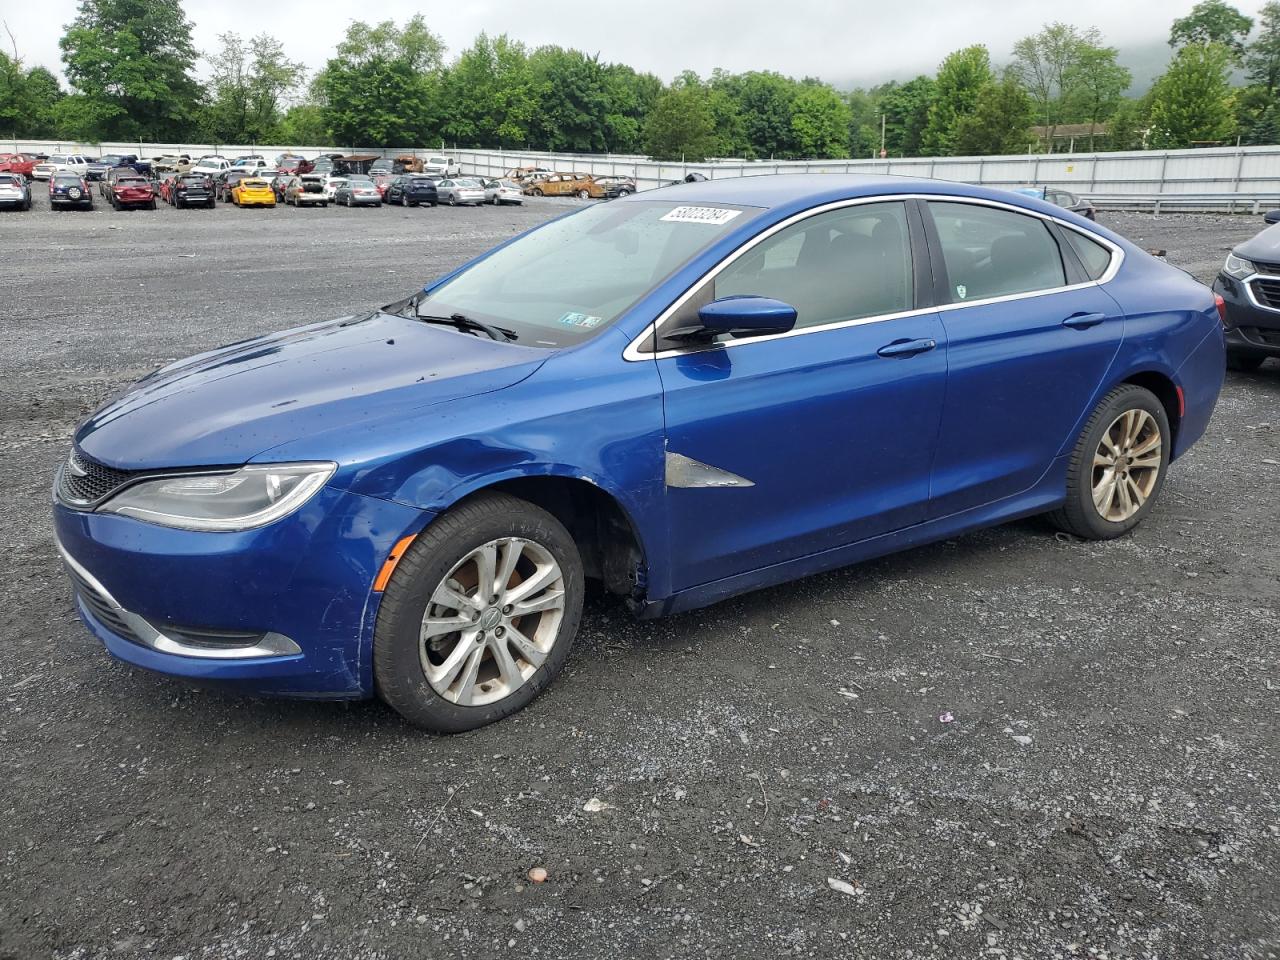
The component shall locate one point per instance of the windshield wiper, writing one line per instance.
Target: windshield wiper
(408, 307)
(467, 323)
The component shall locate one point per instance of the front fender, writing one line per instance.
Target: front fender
(586, 414)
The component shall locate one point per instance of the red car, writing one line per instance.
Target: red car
(17, 163)
(382, 181)
(293, 165)
(130, 192)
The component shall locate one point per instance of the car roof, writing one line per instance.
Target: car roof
(802, 190)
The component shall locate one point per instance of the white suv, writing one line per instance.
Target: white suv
(444, 166)
(211, 165)
(60, 163)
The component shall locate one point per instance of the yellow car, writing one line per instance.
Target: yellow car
(253, 192)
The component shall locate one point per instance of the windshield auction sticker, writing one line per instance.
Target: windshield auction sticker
(715, 216)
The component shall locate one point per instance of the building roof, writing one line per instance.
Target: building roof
(1073, 130)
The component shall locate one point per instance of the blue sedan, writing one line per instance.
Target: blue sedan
(681, 395)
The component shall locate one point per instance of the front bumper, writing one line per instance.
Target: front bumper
(1252, 328)
(287, 609)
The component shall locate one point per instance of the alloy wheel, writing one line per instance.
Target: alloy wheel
(1126, 465)
(492, 621)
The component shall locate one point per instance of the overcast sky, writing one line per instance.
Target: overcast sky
(847, 44)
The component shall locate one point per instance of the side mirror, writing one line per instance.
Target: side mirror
(1271, 216)
(747, 316)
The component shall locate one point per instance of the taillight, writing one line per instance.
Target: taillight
(1222, 308)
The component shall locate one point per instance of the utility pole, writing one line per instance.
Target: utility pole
(883, 152)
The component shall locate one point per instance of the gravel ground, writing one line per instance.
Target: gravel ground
(1107, 787)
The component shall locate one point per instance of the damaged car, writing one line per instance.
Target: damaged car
(670, 396)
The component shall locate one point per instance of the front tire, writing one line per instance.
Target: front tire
(1118, 466)
(452, 650)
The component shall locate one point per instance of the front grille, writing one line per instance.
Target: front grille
(83, 482)
(100, 609)
(1272, 268)
(1267, 292)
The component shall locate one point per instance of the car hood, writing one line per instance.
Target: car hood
(225, 407)
(1265, 246)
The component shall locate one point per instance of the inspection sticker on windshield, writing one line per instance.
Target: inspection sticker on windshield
(712, 215)
(580, 320)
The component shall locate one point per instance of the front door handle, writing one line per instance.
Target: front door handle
(1083, 321)
(906, 348)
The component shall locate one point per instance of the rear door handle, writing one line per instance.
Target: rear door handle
(906, 348)
(1082, 321)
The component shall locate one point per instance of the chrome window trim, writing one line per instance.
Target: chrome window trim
(634, 353)
(1248, 290)
(271, 644)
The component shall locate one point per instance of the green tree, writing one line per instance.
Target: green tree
(1128, 126)
(864, 123)
(1050, 64)
(1212, 21)
(572, 101)
(1000, 123)
(380, 89)
(681, 126)
(249, 84)
(764, 100)
(27, 99)
(131, 63)
(1263, 58)
(303, 125)
(906, 112)
(1096, 84)
(630, 96)
(489, 94)
(962, 78)
(1265, 130)
(820, 122)
(41, 93)
(1192, 102)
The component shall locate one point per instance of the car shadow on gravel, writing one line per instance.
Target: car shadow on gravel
(608, 632)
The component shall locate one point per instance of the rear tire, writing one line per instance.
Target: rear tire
(442, 555)
(1118, 466)
(1244, 362)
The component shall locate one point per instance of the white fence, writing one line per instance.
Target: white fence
(1221, 170)
(1224, 177)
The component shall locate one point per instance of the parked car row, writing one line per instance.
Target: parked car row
(123, 187)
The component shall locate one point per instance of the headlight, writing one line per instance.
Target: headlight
(1238, 267)
(241, 500)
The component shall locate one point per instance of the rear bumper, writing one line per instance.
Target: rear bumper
(289, 607)
(1251, 328)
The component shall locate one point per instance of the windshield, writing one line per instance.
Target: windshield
(359, 178)
(110, 159)
(573, 277)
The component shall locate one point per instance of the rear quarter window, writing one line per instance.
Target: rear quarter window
(1094, 256)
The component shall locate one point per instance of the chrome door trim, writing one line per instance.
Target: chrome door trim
(634, 353)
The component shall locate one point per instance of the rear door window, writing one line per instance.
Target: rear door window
(991, 252)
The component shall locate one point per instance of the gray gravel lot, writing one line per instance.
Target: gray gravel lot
(1108, 787)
